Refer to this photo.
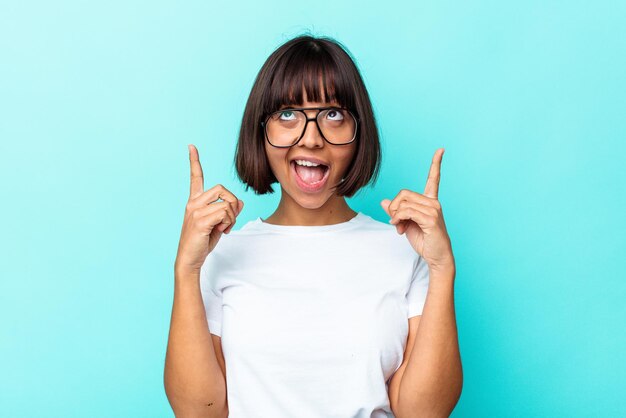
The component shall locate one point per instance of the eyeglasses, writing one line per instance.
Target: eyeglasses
(285, 127)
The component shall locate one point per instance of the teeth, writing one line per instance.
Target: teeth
(306, 163)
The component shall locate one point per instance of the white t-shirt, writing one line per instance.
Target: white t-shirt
(313, 319)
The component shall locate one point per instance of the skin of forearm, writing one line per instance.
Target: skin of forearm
(432, 382)
(194, 382)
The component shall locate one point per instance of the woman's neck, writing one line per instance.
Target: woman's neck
(290, 212)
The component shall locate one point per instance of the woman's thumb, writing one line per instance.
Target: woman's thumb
(385, 205)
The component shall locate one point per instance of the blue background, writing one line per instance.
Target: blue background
(98, 102)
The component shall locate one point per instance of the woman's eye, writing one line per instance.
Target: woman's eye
(288, 113)
(335, 114)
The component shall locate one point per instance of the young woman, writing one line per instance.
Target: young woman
(317, 310)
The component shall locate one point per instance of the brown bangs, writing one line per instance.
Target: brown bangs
(311, 70)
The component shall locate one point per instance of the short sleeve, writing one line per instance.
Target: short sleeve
(212, 298)
(418, 290)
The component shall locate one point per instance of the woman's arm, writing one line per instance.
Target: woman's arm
(432, 381)
(194, 380)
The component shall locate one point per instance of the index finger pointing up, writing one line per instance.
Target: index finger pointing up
(197, 178)
(432, 183)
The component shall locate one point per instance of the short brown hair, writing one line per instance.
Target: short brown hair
(298, 64)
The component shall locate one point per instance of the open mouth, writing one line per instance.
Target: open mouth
(310, 178)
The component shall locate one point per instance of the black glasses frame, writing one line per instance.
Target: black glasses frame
(306, 123)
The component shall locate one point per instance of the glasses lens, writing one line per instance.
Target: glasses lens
(284, 127)
(337, 125)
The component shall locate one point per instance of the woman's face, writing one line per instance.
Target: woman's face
(311, 145)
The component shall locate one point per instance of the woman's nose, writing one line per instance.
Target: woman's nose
(312, 137)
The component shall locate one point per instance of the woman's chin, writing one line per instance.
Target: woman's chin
(311, 201)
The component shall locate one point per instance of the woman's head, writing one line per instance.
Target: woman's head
(306, 72)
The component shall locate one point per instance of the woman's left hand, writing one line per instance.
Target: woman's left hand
(420, 216)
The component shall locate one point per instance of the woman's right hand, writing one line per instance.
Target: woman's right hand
(205, 219)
